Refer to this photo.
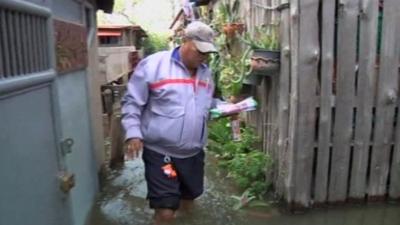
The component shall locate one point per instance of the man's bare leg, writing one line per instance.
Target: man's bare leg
(186, 205)
(164, 216)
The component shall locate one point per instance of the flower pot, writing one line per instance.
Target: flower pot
(200, 2)
(230, 29)
(265, 62)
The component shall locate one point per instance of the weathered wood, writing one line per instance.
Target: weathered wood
(308, 69)
(265, 91)
(365, 98)
(261, 117)
(108, 102)
(114, 62)
(327, 73)
(293, 114)
(117, 139)
(273, 124)
(251, 19)
(387, 97)
(283, 108)
(346, 58)
(394, 189)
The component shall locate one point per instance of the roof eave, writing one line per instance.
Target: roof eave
(105, 5)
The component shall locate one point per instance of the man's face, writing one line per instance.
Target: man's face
(192, 57)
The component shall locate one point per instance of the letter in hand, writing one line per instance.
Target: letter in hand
(133, 148)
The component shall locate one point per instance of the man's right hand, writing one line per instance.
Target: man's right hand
(133, 148)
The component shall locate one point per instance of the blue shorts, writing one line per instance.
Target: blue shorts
(166, 192)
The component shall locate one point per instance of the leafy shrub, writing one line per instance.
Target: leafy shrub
(245, 164)
(154, 43)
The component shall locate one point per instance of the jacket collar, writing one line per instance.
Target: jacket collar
(176, 56)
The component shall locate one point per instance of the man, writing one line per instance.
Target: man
(165, 112)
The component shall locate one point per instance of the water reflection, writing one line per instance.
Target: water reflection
(122, 202)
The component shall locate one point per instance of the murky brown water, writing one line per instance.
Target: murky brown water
(122, 202)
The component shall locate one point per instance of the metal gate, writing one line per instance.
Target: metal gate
(30, 160)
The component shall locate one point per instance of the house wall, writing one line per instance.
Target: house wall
(80, 109)
(63, 94)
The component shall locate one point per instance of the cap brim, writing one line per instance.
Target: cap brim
(205, 47)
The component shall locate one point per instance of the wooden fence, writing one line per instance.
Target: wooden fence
(330, 117)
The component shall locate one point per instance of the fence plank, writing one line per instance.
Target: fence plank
(265, 93)
(283, 110)
(365, 98)
(346, 57)
(308, 69)
(394, 190)
(293, 115)
(327, 72)
(387, 96)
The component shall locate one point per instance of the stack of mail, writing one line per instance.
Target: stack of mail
(226, 109)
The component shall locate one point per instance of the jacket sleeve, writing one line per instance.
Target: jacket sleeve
(133, 102)
(215, 100)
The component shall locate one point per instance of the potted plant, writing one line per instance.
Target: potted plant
(264, 42)
(200, 2)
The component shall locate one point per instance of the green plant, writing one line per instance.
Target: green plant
(264, 37)
(245, 164)
(247, 199)
(154, 43)
(232, 71)
(228, 11)
(248, 171)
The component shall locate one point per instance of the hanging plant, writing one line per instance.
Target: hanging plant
(228, 19)
(265, 44)
(232, 73)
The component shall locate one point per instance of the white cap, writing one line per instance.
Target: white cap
(202, 36)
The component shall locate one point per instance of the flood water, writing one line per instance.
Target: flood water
(122, 202)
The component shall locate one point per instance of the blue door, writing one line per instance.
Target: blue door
(31, 163)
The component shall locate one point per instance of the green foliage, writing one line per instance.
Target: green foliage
(248, 170)
(154, 43)
(247, 199)
(228, 11)
(245, 164)
(264, 37)
(232, 71)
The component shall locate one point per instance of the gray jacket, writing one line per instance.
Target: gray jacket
(166, 107)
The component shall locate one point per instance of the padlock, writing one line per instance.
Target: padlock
(67, 181)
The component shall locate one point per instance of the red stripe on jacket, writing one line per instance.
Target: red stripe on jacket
(161, 83)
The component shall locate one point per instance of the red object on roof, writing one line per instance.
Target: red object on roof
(109, 33)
